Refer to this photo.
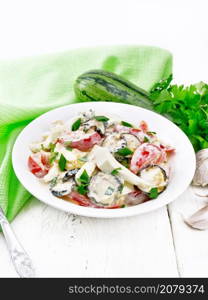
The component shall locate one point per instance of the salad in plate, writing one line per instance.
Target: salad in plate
(101, 161)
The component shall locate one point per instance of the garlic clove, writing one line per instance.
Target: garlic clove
(201, 192)
(201, 155)
(199, 220)
(201, 173)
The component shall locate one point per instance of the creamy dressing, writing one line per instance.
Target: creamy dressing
(100, 175)
(104, 188)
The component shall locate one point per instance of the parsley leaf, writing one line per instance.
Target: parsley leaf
(76, 125)
(84, 178)
(146, 139)
(121, 187)
(125, 163)
(82, 189)
(43, 148)
(124, 151)
(115, 171)
(69, 148)
(67, 144)
(62, 163)
(101, 118)
(153, 193)
(161, 85)
(52, 147)
(53, 157)
(126, 124)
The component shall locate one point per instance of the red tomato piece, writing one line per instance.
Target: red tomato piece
(86, 144)
(145, 155)
(140, 134)
(143, 126)
(112, 207)
(136, 197)
(35, 168)
(83, 200)
(45, 160)
(80, 199)
(167, 149)
(134, 131)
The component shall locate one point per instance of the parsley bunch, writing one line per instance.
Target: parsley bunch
(186, 106)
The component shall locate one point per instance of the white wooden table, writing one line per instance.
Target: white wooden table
(157, 244)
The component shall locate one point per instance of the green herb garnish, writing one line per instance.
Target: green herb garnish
(76, 125)
(125, 163)
(146, 139)
(84, 178)
(101, 118)
(126, 124)
(123, 160)
(53, 157)
(120, 189)
(43, 148)
(52, 147)
(82, 189)
(115, 171)
(62, 163)
(124, 151)
(67, 144)
(153, 193)
(69, 148)
(151, 132)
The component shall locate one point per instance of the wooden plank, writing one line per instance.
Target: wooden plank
(191, 245)
(61, 244)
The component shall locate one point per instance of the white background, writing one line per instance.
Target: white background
(41, 26)
(157, 244)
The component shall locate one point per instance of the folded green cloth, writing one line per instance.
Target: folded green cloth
(32, 86)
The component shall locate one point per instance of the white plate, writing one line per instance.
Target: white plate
(182, 162)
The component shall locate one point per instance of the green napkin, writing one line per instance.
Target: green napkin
(32, 86)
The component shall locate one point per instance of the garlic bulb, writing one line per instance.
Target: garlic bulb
(199, 220)
(201, 173)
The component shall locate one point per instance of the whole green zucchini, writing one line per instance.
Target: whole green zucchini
(99, 85)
